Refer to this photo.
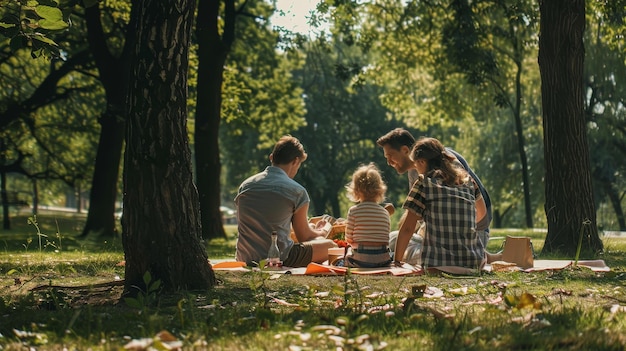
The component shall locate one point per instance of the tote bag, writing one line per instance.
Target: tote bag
(518, 250)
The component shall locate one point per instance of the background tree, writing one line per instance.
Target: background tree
(488, 41)
(111, 52)
(44, 114)
(161, 223)
(605, 96)
(569, 204)
(215, 30)
(262, 101)
(343, 121)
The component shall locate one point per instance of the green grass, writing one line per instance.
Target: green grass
(571, 309)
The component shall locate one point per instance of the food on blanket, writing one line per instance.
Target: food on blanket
(340, 242)
(338, 231)
(502, 266)
(338, 236)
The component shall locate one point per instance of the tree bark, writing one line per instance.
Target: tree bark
(161, 225)
(569, 203)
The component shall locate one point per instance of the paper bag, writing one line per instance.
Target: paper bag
(518, 250)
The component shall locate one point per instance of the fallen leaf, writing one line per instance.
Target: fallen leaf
(284, 303)
(164, 335)
(433, 292)
(329, 329)
(617, 308)
(139, 344)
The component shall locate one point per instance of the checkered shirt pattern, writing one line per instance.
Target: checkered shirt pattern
(450, 216)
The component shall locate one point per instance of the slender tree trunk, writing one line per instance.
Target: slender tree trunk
(569, 203)
(35, 197)
(103, 195)
(113, 72)
(78, 193)
(212, 53)
(616, 203)
(6, 222)
(161, 217)
(521, 143)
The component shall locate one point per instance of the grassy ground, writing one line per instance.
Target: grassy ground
(59, 293)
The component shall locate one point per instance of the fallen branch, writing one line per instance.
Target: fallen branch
(79, 287)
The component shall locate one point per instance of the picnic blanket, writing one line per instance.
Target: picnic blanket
(406, 269)
(319, 269)
(545, 265)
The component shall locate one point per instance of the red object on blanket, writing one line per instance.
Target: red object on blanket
(340, 243)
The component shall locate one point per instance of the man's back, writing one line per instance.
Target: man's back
(265, 203)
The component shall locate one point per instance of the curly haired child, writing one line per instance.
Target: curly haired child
(368, 223)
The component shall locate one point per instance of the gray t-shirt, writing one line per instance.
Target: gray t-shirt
(266, 202)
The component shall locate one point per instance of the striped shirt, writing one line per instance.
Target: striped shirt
(368, 222)
(450, 215)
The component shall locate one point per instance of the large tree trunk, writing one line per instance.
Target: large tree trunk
(161, 224)
(212, 53)
(113, 72)
(569, 203)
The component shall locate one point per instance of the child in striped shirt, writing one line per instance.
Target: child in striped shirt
(368, 223)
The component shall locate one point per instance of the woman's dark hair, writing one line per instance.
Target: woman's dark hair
(440, 162)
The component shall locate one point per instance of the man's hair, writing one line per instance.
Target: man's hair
(397, 138)
(287, 148)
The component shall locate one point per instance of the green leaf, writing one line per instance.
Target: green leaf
(12, 271)
(9, 26)
(44, 40)
(36, 53)
(49, 12)
(511, 300)
(132, 302)
(53, 24)
(147, 278)
(154, 286)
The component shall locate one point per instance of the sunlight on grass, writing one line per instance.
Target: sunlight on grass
(66, 296)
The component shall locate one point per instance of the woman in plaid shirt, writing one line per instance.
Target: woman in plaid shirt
(446, 198)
